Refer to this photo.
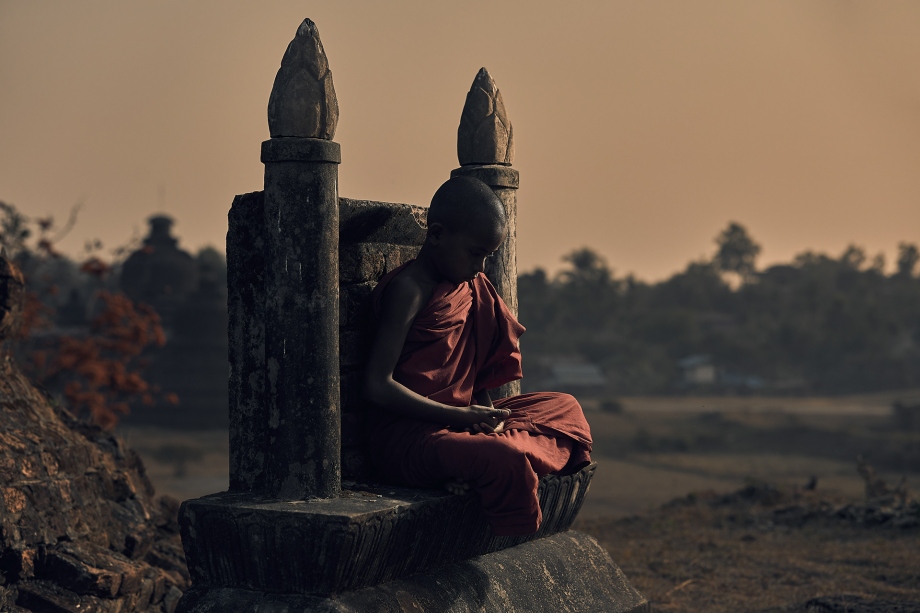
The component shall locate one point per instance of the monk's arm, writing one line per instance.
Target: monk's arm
(401, 302)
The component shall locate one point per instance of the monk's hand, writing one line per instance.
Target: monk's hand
(485, 428)
(487, 420)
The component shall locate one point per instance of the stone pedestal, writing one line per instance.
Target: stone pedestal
(381, 548)
(564, 573)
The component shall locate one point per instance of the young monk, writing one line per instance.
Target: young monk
(444, 338)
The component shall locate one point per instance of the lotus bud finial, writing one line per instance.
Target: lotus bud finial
(484, 135)
(302, 102)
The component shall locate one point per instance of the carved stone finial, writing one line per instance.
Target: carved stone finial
(303, 100)
(484, 135)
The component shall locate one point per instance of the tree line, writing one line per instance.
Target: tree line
(818, 324)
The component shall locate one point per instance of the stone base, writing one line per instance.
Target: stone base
(564, 573)
(363, 538)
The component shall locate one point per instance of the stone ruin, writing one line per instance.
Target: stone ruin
(303, 527)
(80, 527)
(189, 297)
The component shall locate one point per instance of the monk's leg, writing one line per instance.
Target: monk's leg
(553, 414)
(503, 469)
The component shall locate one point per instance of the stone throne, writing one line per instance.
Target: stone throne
(303, 527)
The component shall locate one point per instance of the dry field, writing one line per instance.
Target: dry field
(660, 448)
(662, 503)
(769, 549)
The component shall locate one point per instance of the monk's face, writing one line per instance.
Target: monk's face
(461, 253)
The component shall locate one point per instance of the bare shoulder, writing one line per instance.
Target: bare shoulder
(404, 297)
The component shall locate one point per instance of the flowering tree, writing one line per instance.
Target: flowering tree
(99, 373)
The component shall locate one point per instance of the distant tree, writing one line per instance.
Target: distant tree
(98, 373)
(853, 257)
(737, 251)
(827, 324)
(908, 256)
(15, 230)
(588, 293)
(212, 262)
(588, 268)
(878, 263)
(535, 300)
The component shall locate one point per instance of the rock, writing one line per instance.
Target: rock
(80, 526)
(12, 288)
(90, 570)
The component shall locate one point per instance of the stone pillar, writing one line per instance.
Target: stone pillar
(288, 445)
(246, 341)
(485, 148)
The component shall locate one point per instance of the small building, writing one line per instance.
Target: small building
(573, 375)
(698, 370)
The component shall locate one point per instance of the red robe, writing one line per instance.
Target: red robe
(463, 341)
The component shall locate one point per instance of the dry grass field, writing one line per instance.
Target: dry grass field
(669, 501)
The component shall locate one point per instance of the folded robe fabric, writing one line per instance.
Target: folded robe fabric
(463, 341)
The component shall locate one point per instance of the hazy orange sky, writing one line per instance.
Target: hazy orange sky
(641, 127)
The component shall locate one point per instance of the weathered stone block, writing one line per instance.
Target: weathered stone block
(354, 300)
(564, 573)
(406, 253)
(363, 262)
(366, 221)
(95, 573)
(246, 331)
(361, 538)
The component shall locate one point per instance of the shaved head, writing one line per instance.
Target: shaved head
(465, 203)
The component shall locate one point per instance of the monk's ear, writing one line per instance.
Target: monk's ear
(435, 233)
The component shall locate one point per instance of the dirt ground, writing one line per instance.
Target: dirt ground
(693, 556)
(763, 548)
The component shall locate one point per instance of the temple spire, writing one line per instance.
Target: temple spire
(303, 102)
(485, 135)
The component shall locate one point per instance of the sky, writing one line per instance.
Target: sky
(642, 128)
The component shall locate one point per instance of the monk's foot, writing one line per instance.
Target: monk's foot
(457, 487)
